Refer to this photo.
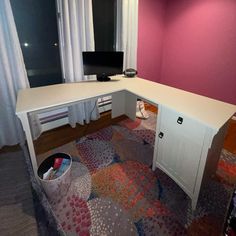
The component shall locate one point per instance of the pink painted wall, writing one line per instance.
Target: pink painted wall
(150, 38)
(199, 50)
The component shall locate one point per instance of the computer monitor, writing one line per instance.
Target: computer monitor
(103, 64)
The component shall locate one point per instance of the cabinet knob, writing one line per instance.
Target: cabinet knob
(160, 135)
(180, 120)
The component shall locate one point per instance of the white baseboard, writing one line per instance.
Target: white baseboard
(48, 124)
(54, 124)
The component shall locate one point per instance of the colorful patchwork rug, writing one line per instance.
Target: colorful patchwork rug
(113, 190)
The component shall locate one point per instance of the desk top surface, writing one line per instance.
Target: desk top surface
(210, 112)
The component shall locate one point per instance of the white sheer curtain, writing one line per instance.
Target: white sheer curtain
(12, 78)
(76, 35)
(127, 31)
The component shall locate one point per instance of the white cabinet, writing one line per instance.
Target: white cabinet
(179, 147)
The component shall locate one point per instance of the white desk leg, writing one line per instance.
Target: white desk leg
(25, 123)
(213, 144)
(130, 105)
(194, 203)
(118, 104)
(124, 102)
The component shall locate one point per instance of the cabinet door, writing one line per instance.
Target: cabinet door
(179, 150)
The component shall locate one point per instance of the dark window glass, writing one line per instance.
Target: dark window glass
(104, 18)
(36, 24)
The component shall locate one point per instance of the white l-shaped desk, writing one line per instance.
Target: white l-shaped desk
(190, 128)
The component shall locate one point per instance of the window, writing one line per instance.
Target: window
(104, 18)
(36, 24)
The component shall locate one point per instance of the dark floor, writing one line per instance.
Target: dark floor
(17, 215)
(21, 208)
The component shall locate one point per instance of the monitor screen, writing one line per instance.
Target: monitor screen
(103, 64)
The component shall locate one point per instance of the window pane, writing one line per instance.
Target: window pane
(104, 18)
(36, 24)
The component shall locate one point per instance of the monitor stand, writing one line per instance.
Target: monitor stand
(103, 78)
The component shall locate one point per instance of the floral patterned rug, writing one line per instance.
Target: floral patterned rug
(113, 190)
